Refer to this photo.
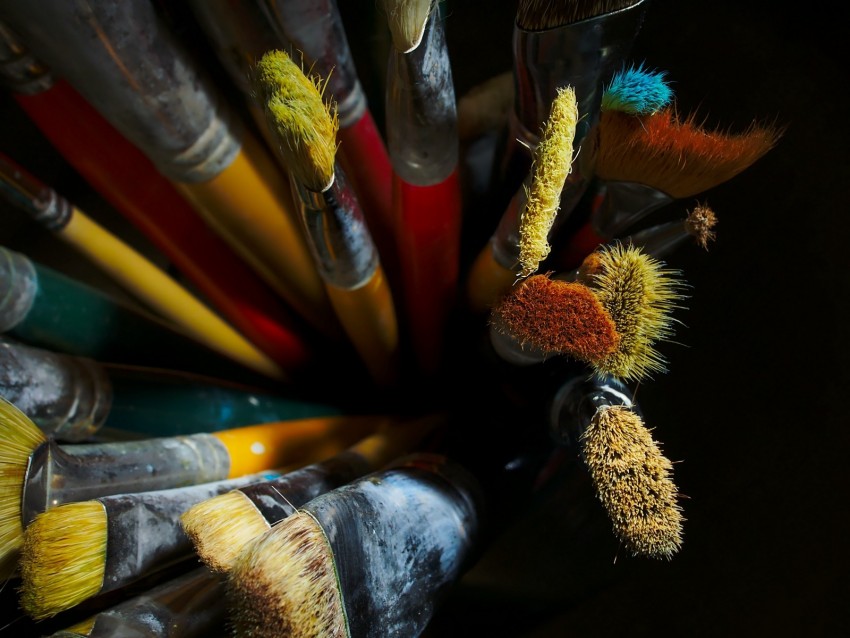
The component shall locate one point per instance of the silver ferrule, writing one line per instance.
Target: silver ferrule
(20, 72)
(32, 196)
(625, 204)
(506, 346)
(18, 288)
(67, 397)
(315, 28)
(421, 110)
(505, 240)
(84, 471)
(662, 239)
(577, 401)
(339, 239)
(126, 62)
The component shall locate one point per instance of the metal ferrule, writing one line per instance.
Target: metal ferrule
(421, 110)
(63, 474)
(18, 288)
(511, 351)
(32, 196)
(400, 538)
(577, 401)
(67, 397)
(20, 72)
(342, 247)
(315, 28)
(505, 240)
(136, 73)
(625, 204)
(660, 240)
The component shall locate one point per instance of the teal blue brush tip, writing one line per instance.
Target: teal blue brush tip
(637, 90)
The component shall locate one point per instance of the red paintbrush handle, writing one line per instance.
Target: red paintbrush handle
(428, 231)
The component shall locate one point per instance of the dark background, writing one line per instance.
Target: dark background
(752, 408)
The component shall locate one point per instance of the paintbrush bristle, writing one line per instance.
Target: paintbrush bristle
(407, 20)
(700, 223)
(63, 558)
(285, 584)
(639, 295)
(538, 15)
(551, 164)
(679, 157)
(637, 90)
(221, 526)
(19, 437)
(556, 317)
(304, 125)
(633, 481)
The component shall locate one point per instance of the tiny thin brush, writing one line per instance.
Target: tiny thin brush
(700, 223)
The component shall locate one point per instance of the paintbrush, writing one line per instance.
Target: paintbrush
(422, 137)
(37, 473)
(636, 90)
(74, 398)
(136, 274)
(662, 239)
(221, 526)
(131, 67)
(647, 162)
(130, 182)
(341, 243)
(76, 551)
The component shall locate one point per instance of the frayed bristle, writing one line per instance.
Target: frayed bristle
(700, 223)
(538, 15)
(636, 90)
(640, 296)
(557, 317)
(633, 481)
(304, 124)
(19, 437)
(679, 157)
(285, 584)
(221, 526)
(551, 165)
(63, 558)
(407, 20)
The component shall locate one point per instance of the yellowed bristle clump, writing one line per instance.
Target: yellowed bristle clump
(551, 165)
(633, 481)
(63, 558)
(221, 526)
(640, 296)
(406, 20)
(700, 223)
(285, 584)
(304, 125)
(19, 437)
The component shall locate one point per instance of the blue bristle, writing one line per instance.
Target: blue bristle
(637, 91)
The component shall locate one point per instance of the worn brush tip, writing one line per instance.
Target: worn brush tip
(285, 584)
(63, 558)
(700, 223)
(407, 20)
(304, 125)
(637, 90)
(538, 15)
(221, 526)
(633, 481)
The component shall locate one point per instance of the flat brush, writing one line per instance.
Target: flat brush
(37, 473)
(221, 526)
(74, 398)
(342, 246)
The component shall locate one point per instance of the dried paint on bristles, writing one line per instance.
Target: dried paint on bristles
(537, 15)
(639, 295)
(304, 124)
(221, 526)
(557, 317)
(407, 20)
(285, 584)
(679, 157)
(633, 480)
(636, 90)
(700, 223)
(19, 437)
(63, 559)
(552, 162)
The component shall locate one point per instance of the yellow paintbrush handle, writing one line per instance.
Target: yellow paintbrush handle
(487, 281)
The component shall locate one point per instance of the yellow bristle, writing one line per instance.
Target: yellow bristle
(407, 20)
(305, 124)
(551, 165)
(19, 437)
(285, 584)
(633, 481)
(221, 526)
(63, 558)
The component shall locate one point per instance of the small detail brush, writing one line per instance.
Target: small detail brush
(661, 239)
